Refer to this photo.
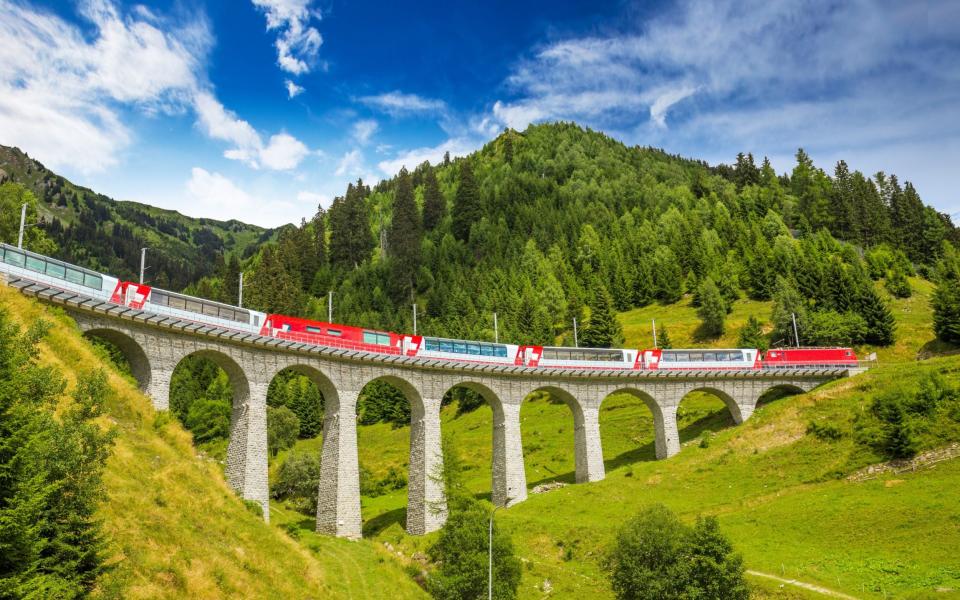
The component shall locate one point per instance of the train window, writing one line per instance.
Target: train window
(35, 264)
(667, 357)
(55, 270)
(210, 310)
(682, 356)
(312, 329)
(228, 314)
(847, 353)
(256, 320)
(446, 346)
(369, 337)
(93, 281)
(12, 257)
(334, 332)
(174, 302)
(486, 350)
(473, 349)
(736, 356)
(710, 356)
(432, 345)
(74, 276)
(500, 351)
(459, 347)
(194, 306)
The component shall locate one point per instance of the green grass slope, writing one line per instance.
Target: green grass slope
(782, 495)
(175, 529)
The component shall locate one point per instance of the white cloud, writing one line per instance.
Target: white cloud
(351, 164)
(298, 43)
(363, 130)
(63, 90)
(293, 90)
(411, 158)
(314, 199)
(59, 92)
(400, 104)
(215, 196)
(663, 102)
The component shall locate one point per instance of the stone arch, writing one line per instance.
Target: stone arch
(508, 480)
(739, 410)
(777, 391)
(247, 448)
(665, 436)
(131, 350)
(426, 505)
(588, 454)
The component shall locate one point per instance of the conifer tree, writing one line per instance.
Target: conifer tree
(231, 280)
(787, 302)
(434, 204)
(712, 310)
(946, 298)
(663, 338)
(273, 289)
(751, 335)
(874, 310)
(466, 205)
(403, 237)
(319, 223)
(603, 330)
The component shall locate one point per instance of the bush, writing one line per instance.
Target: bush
(283, 428)
(461, 551)
(829, 328)
(827, 432)
(898, 437)
(298, 480)
(208, 420)
(393, 480)
(657, 557)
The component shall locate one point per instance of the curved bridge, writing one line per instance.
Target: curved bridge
(154, 345)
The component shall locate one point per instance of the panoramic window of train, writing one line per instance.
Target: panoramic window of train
(501, 351)
(56, 270)
(35, 264)
(473, 349)
(459, 347)
(12, 257)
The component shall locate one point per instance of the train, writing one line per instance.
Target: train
(59, 274)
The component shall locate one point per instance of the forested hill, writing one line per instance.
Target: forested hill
(95, 231)
(559, 222)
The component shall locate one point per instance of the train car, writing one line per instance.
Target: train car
(155, 300)
(332, 334)
(581, 358)
(462, 350)
(702, 358)
(810, 357)
(55, 273)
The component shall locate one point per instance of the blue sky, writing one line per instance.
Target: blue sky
(261, 109)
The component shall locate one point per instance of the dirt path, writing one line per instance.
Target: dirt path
(801, 584)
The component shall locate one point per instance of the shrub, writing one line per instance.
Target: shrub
(830, 328)
(283, 428)
(298, 480)
(208, 420)
(658, 557)
(827, 432)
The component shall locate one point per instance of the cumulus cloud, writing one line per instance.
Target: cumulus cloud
(432, 154)
(63, 91)
(298, 42)
(351, 164)
(399, 104)
(215, 196)
(293, 90)
(314, 199)
(363, 130)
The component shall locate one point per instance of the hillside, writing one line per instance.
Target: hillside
(782, 494)
(175, 529)
(104, 234)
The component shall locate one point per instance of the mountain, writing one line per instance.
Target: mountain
(98, 232)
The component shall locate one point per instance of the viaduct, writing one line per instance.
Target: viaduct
(155, 344)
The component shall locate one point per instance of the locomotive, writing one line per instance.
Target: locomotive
(62, 275)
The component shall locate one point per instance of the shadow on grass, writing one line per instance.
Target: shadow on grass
(377, 524)
(715, 421)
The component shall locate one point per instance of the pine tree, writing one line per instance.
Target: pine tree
(751, 335)
(712, 310)
(507, 147)
(466, 205)
(403, 238)
(271, 288)
(663, 338)
(874, 310)
(304, 399)
(946, 298)
(603, 330)
(320, 237)
(231, 280)
(787, 302)
(434, 204)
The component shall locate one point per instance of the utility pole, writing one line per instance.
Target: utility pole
(576, 342)
(414, 319)
(490, 555)
(23, 224)
(330, 307)
(496, 330)
(654, 332)
(240, 295)
(143, 263)
(796, 336)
